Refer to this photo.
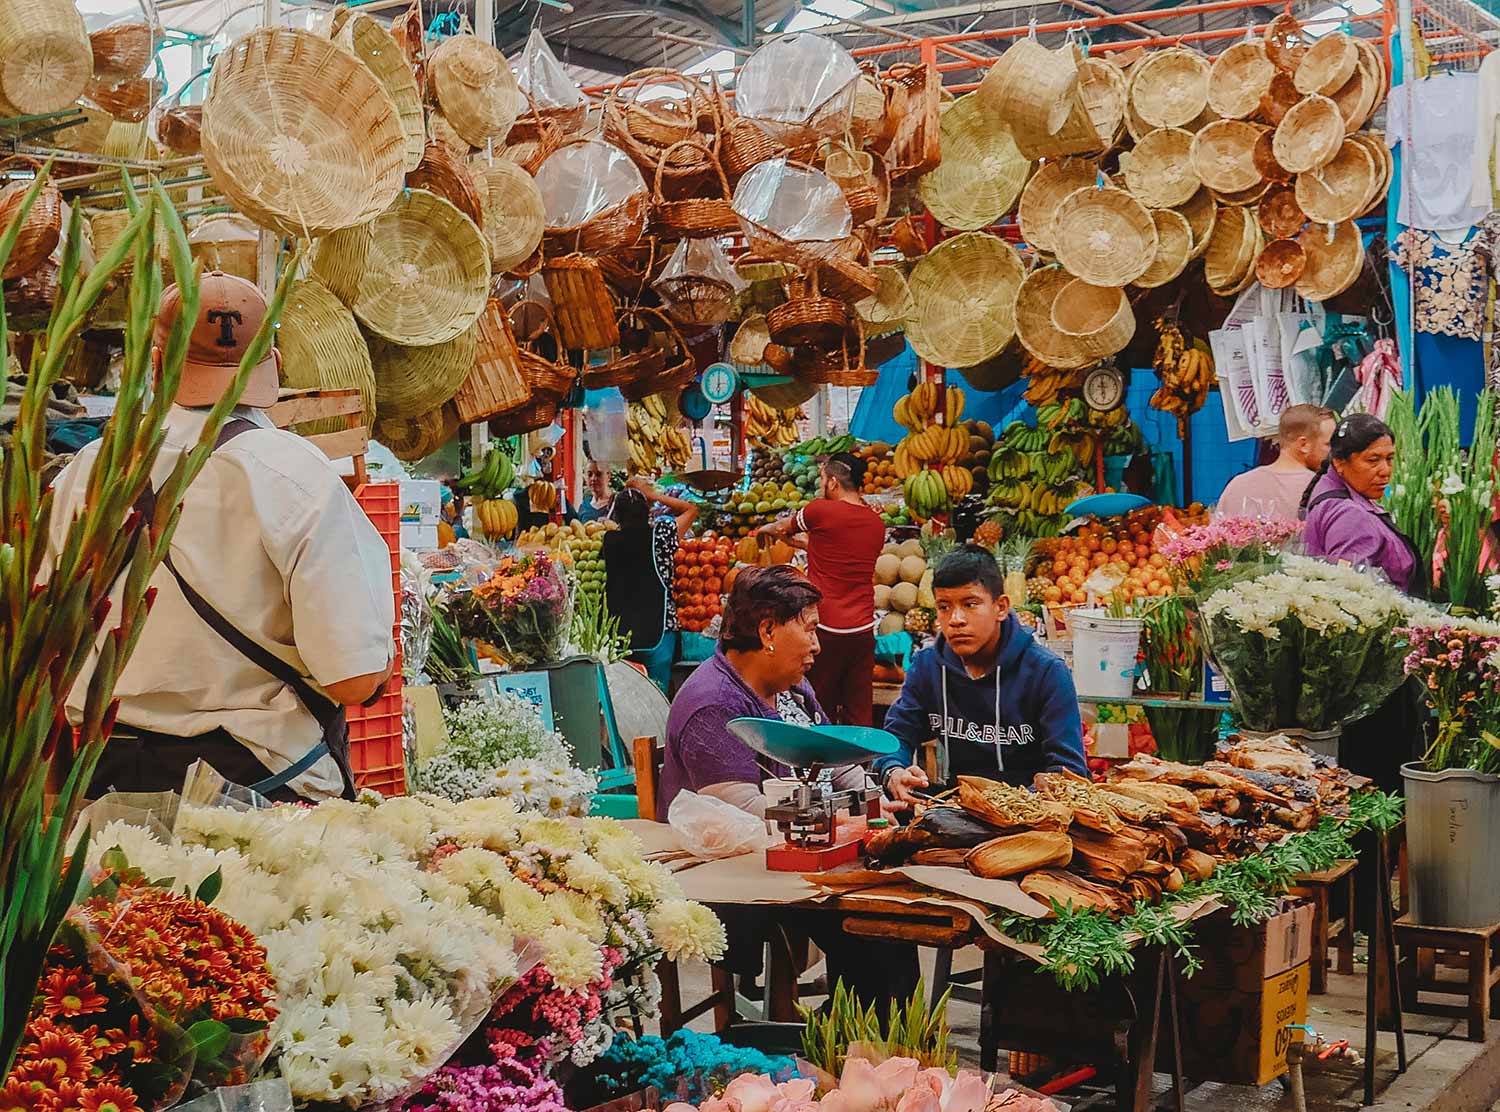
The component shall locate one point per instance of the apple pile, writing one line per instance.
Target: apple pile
(700, 579)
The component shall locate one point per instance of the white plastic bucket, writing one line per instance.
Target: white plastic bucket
(1104, 653)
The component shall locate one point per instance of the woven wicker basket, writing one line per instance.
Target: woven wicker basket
(908, 238)
(1169, 88)
(869, 124)
(514, 214)
(743, 145)
(982, 171)
(623, 225)
(1372, 61)
(411, 381)
(649, 343)
(1034, 328)
(180, 129)
(475, 88)
(1356, 96)
(547, 375)
(447, 175)
(1097, 320)
(1380, 154)
(1280, 264)
(45, 56)
(528, 418)
(1224, 155)
(1238, 79)
(1104, 236)
(694, 217)
(1264, 157)
(1309, 135)
(227, 243)
(1160, 171)
(808, 317)
(786, 395)
(1174, 248)
(673, 377)
(321, 347)
(335, 162)
(1103, 89)
(585, 311)
(416, 438)
(373, 45)
(439, 130)
(963, 299)
(1201, 212)
(1231, 248)
(1285, 43)
(1332, 265)
(845, 367)
(341, 259)
(1046, 190)
(122, 51)
(1327, 65)
(39, 236)
(129, 100)
(428, 275)
(1340, 190)
(913, 95)
(497, 384)
(678, 137)
(1032, 89)
(748, 345)
(1279, 214)
(890, 306)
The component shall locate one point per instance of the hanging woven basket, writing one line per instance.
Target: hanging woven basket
(743, 146)
(475, 88)
(1285, 43)
(45, 56)
(1309, 135)
(540, 349)
(130, 101)
(322, 348)
(341, 259)
(647, 129)
(411, 381)
(497, 384)
(1104, 236)
(982, 171)
(585, 311)
(373, 45)
(227, 243)
(1169, 88)
(1264, 157)
(694, 217)
(1103, 88)
(1174, 248)
(1201, 212)
(1239, 79)
(1281, 264)
(1034, 328)
(1335, 257)
(1223, 156)
(809, 318)
(1340, 190)
(1160, 171)
(1097, 320)
(649, 344)
(40, 234)
(1279, 214)
(1329, 62)
(1231, 249)
(1032, 89)
(122, 51)
(963, 297)
(514, 214)
(1047, 190)
(445, 174)
(415, 438)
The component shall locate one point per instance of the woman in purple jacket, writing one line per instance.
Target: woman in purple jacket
(1346, 523)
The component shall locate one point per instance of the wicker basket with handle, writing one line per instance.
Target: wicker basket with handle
(122, 51)
(809, 318)
(647, 130)
(584, 310)
(649, 343)
(914, 99)
(444, 173)
(540, 351)
(694, 217)
(40, 234)
(497, 384)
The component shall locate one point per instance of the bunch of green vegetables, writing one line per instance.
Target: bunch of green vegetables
(596, 632)
(449, 659)
(56, 611)
(912, 1030)
(1174, 663)
(1428, 450)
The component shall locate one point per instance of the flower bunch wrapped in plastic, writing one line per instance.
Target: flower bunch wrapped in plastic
(703, 1064)
(1310, 646)
(1458, 662)
(1206, 557)
(524, 609)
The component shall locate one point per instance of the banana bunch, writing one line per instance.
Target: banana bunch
(1186, 371)
(491, 478)
(920, 408)
(773, 428)
(958, 480)
(657, 441)
(542, 496)
(1048, 384)
(1055, 415)
(1080, 443)
(934, 446)
(926, 493)
(1023, 438)
(496, 517)
(1115, 418)
(1009, 463)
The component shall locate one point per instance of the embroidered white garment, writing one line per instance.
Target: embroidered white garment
(1433, 119)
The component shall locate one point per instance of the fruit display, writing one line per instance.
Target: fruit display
(1037, 471)
(745, 511)
(770, 427)
(760, 553)
(542, 497)
(880, 467)
(1048, 385)
(1186, 370)
(927, 492)
(1122, 544)
(658, 442)
(903, 583)
(496, 518)
(490, 478)
(1120, 435)
(584, 547)
(700, 580)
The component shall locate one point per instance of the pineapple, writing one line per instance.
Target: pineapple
(919, 620)
(988, 534)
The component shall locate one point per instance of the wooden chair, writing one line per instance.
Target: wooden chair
(1469, 949)
(966, 986)
(1331, 892)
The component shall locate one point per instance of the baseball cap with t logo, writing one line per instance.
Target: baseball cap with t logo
(230, 312)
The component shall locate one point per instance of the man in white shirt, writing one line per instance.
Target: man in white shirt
(274, 609)
(1275, 490)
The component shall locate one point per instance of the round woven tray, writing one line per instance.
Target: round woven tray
(1356, 96)
(374, 46)
(415, 438)
(410, 381)
(1280, 264)
(963, 299)
(1328, 63)
(321, 347)
(475, 88)
(1097, 320)
(1105, 236)
(1034, 327)
(1160, 171)
(337, 161)
(1380, 154)
(340, 261)
(1332, 266)
(1279, 214)
(1238, 79)
(1169, 88)
(1174, 248)
(1309, 135)
(1264, 157)
(45, 56)
(1285, 43)
(428, 274)
(1201, 212)
(1224, 155)
(1103, 88)
(1231, 248)
(1047, 189)
(1373, 63)
(1340, 190)
(890, 306)
(447, 175)
(1251, 196)
(1279, 99)
(514, 215)
(982, 170)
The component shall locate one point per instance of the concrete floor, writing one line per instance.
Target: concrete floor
(1446, 1072)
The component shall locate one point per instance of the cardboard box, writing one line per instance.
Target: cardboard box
(1252, 987)
(421, 501)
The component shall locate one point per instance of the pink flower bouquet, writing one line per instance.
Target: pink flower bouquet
(1207, 557)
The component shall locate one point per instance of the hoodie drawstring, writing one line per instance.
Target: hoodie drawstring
(943, 763)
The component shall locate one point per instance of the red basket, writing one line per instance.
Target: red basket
(375, 732)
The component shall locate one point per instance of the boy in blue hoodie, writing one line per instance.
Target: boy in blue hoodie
(1000, 705)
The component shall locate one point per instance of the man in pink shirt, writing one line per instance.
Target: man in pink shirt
(1275, 490)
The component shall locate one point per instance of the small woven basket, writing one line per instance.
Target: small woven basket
(649, 343)
(1280, 264)
(1201, 212)
(844, 366)
(1174, 248)
(227, 243)
(497, 384)
(748, 345)
(845, 276)
(1340, 190)
(1102, 88)
(1285, 43)
(619, 226)
(964, 299)
(180, 129)
(475, 88)
(373, 45)
(445, 174)
(321, 347)
(129, 100)
(1309, 135)
(1281, 97)
(1160, 171)
(890, 306)
(1032, 89)
(415, 438)
(913, 95)
(547, 376)
(1380, 154)
(679, 371)
(1231, 248)
(527, 418)
(514, 214)
(1239, 79)
(982, 171)
(410, 381)
(809, 318)
(40, 235)
(1097, 320)
(694, 217)
(1279, 214)
(648, 130)
(1034, 328)
(580, 297)
(1169, 88)
(908, 238)
(1356, 96)
(1104, 236)
(1223, 155)
(122, 51)
(1333, 265)
(1047, 189)
(45, 56)
(743, 146)
(1327, 65)
(1264, 157)
(696, 299)
(428, 275)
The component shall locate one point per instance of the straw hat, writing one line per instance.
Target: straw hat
(1105, 236)
(299, 135)
(1031, 88)
(982, 170)
(1170, 87)
(321, 347)
(963, 299)
(414, 438)
(1334, 263)
(1103, 89)
(1279, 214)
(1238, 79)
(1160, 170)
(1095, 319)
(1328, 63)
(1279, 98)
(514, 215)
(1231, 248)
(428, 275)
(374, 46)
(1200, 212)
(1223, 155)
(1047, 189)
(1285, 43)
(1034, 327)
(410, 381)
(1309, 135)
(1280, 264)
(1174, 248)
(1264, 157)
(45, 56)
(890, 306)
(1340, 190)
(475, 88)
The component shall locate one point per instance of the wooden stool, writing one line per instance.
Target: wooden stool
(1470, 948)
(1331, 892)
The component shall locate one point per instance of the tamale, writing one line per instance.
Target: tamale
(1154, 791)
(938, 828)
(1090, 807)
(1009, 807)
(1013, 854)
(954, 857)
(1110, 857)
(1066, 889)
(1196, 864)
(1143, 889)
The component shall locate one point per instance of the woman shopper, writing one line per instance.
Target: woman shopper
(638, 558)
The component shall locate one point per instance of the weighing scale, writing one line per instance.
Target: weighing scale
(822, 827)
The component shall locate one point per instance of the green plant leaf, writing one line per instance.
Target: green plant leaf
(211, 886)
(209, 1038)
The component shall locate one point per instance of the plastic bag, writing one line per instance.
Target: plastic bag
(710, 828)
(796, 203)
(604, 432)
(798, 84)
(271, 1095)
(542, 75)
(583, 180)
(416, 625)
(700, 258)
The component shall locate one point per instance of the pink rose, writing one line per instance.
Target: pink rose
(969, 1093)
(752, 1092)
(786, 1104)
(920, 1098)
(717, 1104)
(859, 1088)
(798, 1088)
(836, 1101)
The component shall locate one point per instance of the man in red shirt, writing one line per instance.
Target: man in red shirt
(843, 537)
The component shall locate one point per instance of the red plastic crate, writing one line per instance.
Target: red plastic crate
(382, 504)
(375, 732)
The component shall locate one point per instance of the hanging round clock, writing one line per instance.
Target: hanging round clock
(1104, 388)
(719, 383)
